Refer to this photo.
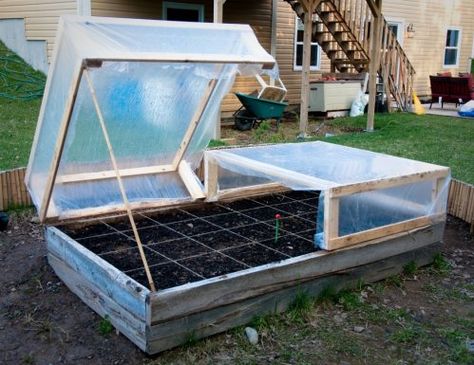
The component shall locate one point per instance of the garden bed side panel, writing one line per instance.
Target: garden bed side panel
(101, 286)
(235, 287)
(175, 332)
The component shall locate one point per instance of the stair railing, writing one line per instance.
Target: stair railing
(395, 69)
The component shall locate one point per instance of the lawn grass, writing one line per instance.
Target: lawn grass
(435, 139)
(21, 89)
(17, 127)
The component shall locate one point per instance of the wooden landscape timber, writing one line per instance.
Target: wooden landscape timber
(157, 321)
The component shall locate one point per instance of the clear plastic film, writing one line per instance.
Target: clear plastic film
(147, 105)
(324, 166)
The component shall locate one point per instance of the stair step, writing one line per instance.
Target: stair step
(353, 62)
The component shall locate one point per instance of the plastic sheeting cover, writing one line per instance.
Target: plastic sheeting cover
(146, 106)
(322, 166)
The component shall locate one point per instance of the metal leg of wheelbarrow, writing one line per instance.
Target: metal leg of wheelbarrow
(278, 124)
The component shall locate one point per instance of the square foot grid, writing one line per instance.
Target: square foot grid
(192, 244)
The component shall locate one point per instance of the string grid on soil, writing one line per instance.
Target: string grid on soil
(186, 245)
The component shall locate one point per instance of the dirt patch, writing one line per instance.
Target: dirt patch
(267, 132)
(424, 316)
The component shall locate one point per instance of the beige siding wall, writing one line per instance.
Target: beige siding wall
(41, 17)
(258, 15)
(426, 49)
(285, 53)
(430, 19)
(142, 9)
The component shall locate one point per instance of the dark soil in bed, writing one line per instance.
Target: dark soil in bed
(196, 243)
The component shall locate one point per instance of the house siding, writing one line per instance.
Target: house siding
(41, 17)
(430, 19)
(141, 9)
(285, 53)
(425, 50)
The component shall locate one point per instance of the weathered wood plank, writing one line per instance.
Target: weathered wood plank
(110, 174)
(190, 180)
(207, 294)
(384, 231)
(126, 322)
(253, 190)
(118, 286)
(388, 182)
(172, 333)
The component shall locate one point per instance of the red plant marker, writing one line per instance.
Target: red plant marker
(277, 226)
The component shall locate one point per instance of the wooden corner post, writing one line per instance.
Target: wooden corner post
(309, 7)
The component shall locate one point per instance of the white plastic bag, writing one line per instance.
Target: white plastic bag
(467, 110)
(358, 105)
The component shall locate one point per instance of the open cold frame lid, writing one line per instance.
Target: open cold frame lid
(135, 98)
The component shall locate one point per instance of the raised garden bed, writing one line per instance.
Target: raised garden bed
(214, 276)
(195, 243)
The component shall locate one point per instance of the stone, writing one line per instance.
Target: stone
(358, 329)
(470, 345)
(252, 335)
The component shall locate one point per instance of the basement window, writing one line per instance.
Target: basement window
(183, 12)
(451, 49)
(298, 51)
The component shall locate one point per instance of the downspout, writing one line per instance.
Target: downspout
(84, 7)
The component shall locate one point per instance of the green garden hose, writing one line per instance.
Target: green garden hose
(18, 81)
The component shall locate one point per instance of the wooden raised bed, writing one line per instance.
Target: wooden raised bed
(156, 321)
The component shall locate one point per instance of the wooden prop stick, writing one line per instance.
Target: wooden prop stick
(119, 180)
(194, 124)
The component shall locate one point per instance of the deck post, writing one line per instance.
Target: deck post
(375, 36)
(309, 7)
(218, 16)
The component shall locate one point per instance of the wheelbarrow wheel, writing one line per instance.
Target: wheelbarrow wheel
(243, 120)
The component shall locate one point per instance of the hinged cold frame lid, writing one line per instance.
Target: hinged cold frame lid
(135, 98)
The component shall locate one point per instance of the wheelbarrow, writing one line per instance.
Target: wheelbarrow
(267, 104)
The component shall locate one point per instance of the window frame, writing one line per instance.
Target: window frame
(186, 6)
(457, 48)
(296, 67)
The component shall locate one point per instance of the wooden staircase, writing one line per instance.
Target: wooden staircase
(342, 28)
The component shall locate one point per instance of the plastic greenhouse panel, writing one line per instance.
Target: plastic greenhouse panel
(157, 87)
(367, 191)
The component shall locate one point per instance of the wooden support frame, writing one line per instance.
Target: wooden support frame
(332, 240)
(211, 175)
(190, 180)
(110, 174)
(333, 193)
(58, 150)
(270, 170)
(188, 135)
(46, 202)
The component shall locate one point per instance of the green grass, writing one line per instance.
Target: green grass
(434, 139)
(20, 91)
(17, 127)
(105, 326)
